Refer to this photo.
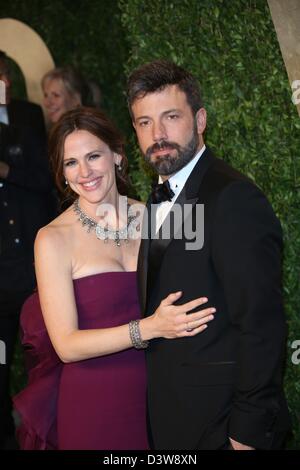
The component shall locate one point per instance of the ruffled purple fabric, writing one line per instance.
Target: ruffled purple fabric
(37, 403)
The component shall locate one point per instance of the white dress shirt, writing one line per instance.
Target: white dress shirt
(177, 182)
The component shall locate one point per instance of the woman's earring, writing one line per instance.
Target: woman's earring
(119, 167)
(66, 182)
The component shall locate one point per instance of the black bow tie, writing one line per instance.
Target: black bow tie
(161, 192)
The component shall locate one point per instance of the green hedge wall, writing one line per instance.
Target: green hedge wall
(231, 46)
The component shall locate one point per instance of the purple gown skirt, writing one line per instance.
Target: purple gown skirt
(91, 404)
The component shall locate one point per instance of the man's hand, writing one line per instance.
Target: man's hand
(238, 446)
(4, 169)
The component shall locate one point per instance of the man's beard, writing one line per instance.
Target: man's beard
(167, 164)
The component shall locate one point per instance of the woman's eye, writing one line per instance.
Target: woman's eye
(94, 156)
(70, 163)
(143, 123)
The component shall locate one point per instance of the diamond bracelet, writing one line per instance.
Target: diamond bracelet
(135, 335)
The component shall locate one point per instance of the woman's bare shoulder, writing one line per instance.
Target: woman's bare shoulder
(57, 231)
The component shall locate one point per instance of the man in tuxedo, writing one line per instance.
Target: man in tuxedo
(222, 388)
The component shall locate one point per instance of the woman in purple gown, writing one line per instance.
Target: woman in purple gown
(82, 332)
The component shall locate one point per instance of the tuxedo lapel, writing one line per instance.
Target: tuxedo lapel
(143, 257)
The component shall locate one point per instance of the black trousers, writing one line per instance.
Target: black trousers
(10, 307)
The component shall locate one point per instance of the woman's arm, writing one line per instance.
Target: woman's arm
(55, 285)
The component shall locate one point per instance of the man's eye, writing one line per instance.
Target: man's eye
(173, 116)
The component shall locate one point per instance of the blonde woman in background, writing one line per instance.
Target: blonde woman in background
(64, 89)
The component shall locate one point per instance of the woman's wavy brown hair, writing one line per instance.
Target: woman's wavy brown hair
(95, 122)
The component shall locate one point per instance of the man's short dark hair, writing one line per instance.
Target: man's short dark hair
(157, 75)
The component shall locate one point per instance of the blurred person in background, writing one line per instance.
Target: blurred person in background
(25, 206)
(25, 185)
(64, 89)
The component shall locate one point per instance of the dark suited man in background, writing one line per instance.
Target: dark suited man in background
(25, 184)
(26, 204)
(220, 389)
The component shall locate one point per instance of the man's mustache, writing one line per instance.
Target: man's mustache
(163, 145)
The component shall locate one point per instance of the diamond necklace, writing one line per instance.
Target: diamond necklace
(104, 233)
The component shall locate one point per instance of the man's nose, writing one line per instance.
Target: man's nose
(159, 132)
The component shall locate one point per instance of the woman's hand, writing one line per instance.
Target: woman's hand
(172, 321)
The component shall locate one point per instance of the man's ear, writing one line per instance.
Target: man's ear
(201, 120)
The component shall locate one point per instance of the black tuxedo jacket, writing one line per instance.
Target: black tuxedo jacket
(226, 381)
(26, 114)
